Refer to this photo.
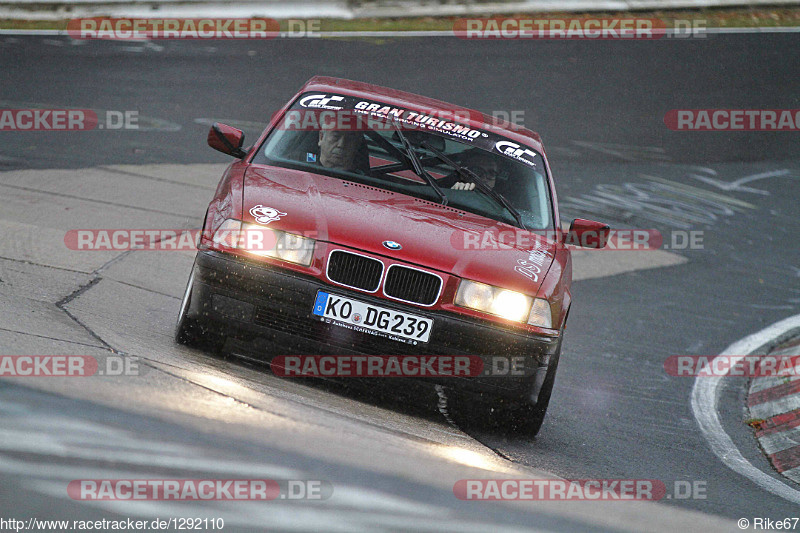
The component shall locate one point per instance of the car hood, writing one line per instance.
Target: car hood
(363, 217)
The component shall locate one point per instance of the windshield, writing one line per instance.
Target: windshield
(370, 150)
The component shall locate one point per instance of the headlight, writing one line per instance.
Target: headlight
(294, 248)
(495, 300)
(258, 240)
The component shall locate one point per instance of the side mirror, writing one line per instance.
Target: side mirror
(226, 139)
(587, 233)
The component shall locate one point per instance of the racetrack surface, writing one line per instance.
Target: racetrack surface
(391, 459)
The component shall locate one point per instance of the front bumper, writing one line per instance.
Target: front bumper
(253, 301)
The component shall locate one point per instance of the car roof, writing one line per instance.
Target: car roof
(421, 103)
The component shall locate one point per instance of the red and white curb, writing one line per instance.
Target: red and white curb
(705, 402)
(775, 402)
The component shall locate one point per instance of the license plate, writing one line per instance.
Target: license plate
(372, 319)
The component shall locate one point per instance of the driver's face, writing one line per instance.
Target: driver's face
(338, 148)
(485, 167)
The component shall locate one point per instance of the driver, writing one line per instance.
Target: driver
(483, 165)
(339, 148)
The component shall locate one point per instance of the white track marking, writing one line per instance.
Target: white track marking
(737, 185)
(705, 395)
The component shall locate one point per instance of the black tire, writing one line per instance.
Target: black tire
(528, 419)
(192, 333)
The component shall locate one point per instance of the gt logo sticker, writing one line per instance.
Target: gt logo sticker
(265, 215)
(321, 101)
(516, 151)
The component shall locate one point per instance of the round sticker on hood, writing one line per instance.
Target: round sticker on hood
(265, 215)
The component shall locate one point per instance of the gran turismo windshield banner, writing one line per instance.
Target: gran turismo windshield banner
(320, 110)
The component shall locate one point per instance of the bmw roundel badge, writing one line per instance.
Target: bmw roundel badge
(392, 245)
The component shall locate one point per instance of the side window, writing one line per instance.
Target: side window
(528, 193)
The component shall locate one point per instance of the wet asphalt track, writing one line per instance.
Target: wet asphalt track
(615, 413)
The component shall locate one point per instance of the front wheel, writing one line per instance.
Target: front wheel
(528, 419)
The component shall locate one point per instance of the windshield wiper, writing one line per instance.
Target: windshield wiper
(415, 162)
(470, 175)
